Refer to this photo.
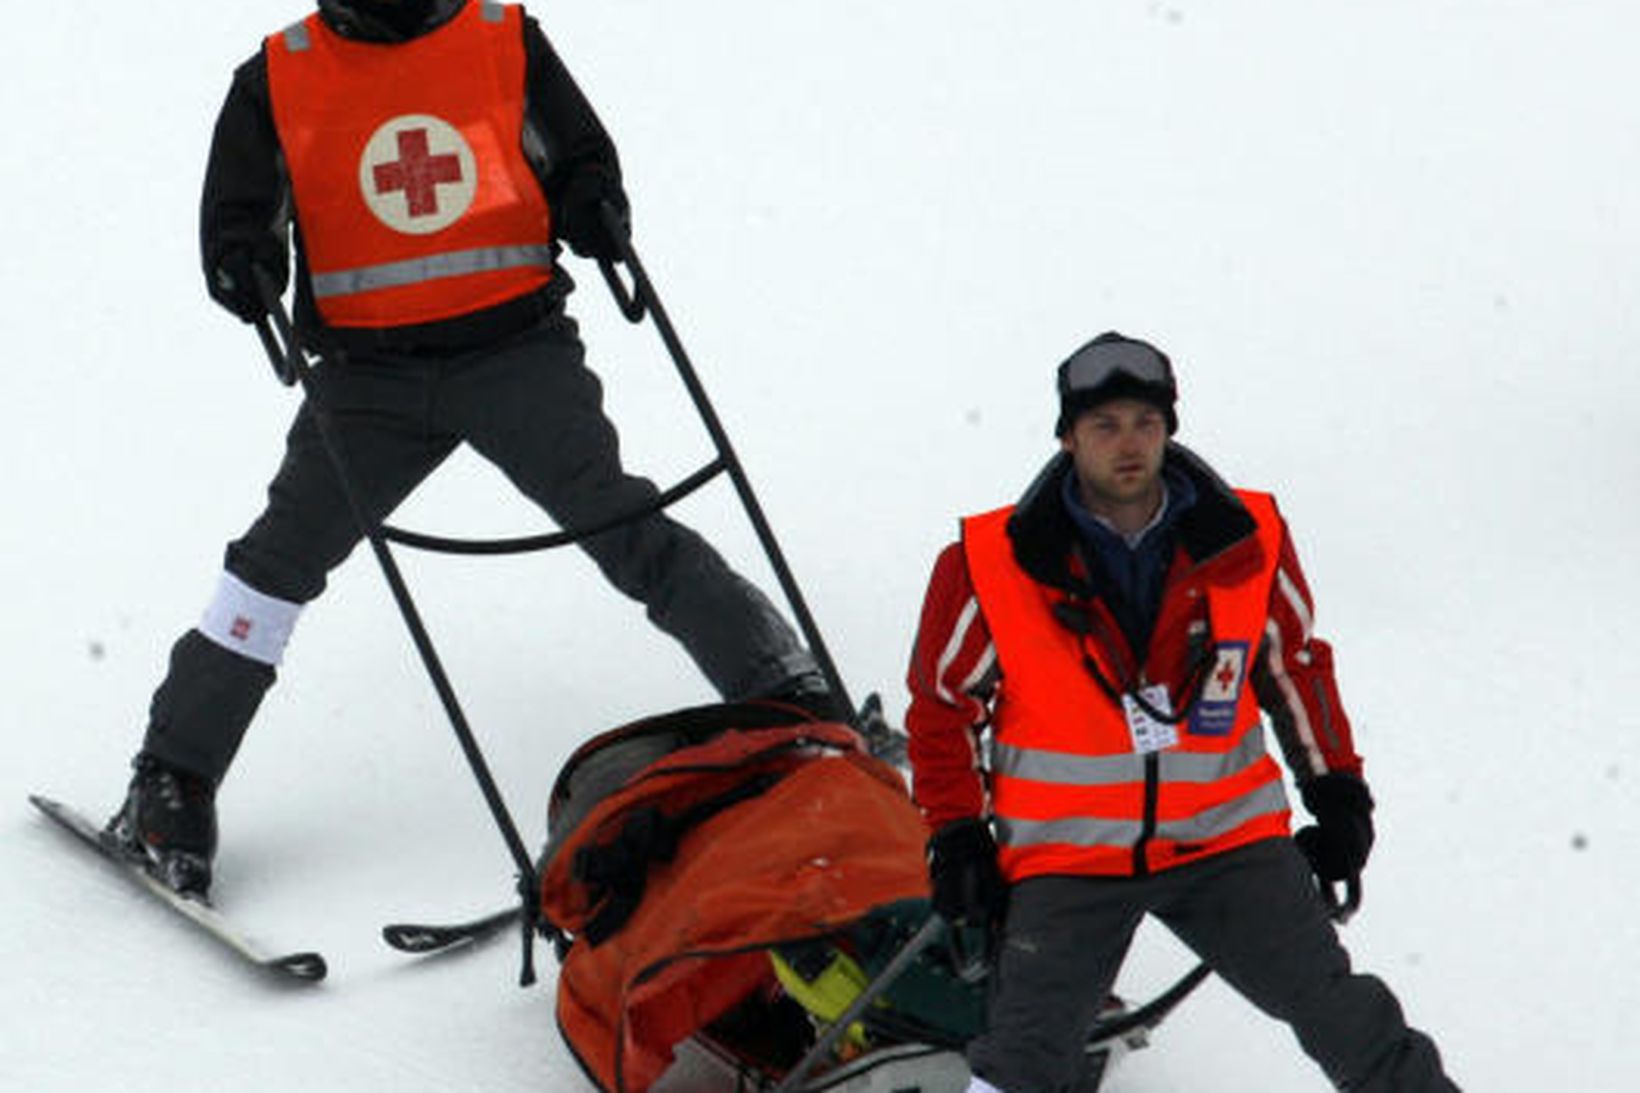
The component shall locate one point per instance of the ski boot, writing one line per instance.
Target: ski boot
(809, 692)
(168, 822)
(882, 739)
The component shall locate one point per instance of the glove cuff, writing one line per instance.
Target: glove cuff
(967, 838)
(1336, 793)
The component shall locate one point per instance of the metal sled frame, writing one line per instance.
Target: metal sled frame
(291, 365)
(1125, 1030)
(884, 979)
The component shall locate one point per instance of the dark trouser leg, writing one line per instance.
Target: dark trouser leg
(1253, 914)
(202, 708)
(535, 411)
(1062, 946)
(205, 704)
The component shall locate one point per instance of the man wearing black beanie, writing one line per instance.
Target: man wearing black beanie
(1121, 634)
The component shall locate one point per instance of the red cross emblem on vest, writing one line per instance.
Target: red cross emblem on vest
(1224, 681)
(418, 174)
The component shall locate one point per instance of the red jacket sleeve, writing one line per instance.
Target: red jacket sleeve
(1295, 683)
(952, 677)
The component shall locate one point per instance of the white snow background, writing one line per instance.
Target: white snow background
(1392, 248)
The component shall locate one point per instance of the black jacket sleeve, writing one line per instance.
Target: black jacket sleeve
(246, 201)
(572, 138)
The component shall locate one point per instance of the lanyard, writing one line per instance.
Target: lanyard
(1077, 615)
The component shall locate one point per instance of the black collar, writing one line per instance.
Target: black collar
(1044, 538)
(362, 22)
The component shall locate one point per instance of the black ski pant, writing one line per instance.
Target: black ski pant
(1252, 914)
(531, 407)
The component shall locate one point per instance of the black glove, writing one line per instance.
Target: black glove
(232, 282)
(962, 867)
(1338, 843)
(579, 214)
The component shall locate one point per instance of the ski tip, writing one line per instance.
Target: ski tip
(421, 939)
(65, 816)
(307, 967)
(408, 938)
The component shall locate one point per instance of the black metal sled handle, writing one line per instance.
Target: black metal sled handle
(913, 948)
(523, 544)
(1342, 910)
(277, 357)
(1152, 1013)
(633, 305)
(371, 529)
(289, 365)
(630, 301)
(283, 352)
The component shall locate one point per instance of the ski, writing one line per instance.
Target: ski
(302, 966)
(408, 937)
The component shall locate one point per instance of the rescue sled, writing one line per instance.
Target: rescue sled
(732, 885)
(742, 905)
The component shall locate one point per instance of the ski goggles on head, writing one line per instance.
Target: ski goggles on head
(1099, 362)
(1111, 366)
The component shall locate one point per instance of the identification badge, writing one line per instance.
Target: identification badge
(1150, 734)
(1215, 712)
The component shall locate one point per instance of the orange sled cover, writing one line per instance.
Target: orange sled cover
(832, 835)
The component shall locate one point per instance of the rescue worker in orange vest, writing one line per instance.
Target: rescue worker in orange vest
(426, 158)
(1122, 631)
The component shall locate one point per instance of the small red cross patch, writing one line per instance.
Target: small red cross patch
(241, 628)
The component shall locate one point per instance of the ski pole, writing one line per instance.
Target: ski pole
(634, 305)
(287, 358)
(1150, 1014)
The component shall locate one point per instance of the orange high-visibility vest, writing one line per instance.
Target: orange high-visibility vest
(1070, 793)
(413, 195)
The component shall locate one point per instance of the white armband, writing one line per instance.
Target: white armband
(245, 621)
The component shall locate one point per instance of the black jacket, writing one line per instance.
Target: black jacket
(247, 196)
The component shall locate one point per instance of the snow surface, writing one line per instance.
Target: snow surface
(1392, 247)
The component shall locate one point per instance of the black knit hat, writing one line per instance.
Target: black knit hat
(386, 20)
(1114, 366)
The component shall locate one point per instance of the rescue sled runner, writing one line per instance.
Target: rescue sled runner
(741, 898)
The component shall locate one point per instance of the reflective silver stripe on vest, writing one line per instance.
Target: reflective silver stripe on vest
(415, 271)
(1198, 766)
(1061, 768)
(1216, 821)
(1073, 830)
(296, 37)
(1090, 832)
(491, 11)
